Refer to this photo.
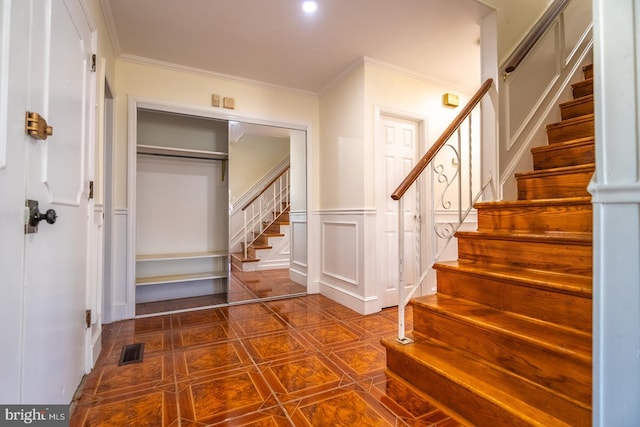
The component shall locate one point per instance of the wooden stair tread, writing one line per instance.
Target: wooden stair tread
(571, 284)
(571, 343)
(518, 397)
(571, 122)
(269, 234)
(567, 201)
(260, 246)
(240, 257)
(587, 167)
(582, 100)
(564, 144)
(564, 238)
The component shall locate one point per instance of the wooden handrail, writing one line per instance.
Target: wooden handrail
(433, 150)
(534, 35)
(265, 188)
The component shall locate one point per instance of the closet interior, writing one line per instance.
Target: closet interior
(182, 257)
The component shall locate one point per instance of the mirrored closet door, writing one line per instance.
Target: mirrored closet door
(267, 221)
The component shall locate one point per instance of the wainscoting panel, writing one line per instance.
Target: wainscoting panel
(348, 259)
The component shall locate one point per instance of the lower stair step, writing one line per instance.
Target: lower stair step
(555, 183)
(563, 299)
(239, 262)
(478, 392)
(569, 153)
(577, 107)
(583, 88)
(541, 215)
(554, 357)
(567, 130)
(567, 253)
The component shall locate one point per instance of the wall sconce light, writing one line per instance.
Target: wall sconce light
(450, 100)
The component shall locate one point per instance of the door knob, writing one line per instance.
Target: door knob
(50, 216)
(33, 216)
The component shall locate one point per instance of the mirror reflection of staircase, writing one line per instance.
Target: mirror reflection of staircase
(506, 340)
(268, 245)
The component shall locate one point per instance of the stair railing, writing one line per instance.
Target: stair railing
(265, 208)
(534, 35)
(460, 175)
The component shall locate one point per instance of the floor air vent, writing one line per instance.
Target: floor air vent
(131, 353)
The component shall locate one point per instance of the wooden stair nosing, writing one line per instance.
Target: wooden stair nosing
(273, 234)
(564, 145)
(499, 204)
(557, 237)
(485, 399)
(569, 284)
(587, 118)
(569, 343)
(564, 170)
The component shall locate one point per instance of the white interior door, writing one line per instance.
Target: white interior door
(47, 70)
(399, 149)
(13, 89)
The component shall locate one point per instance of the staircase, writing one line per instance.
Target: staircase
(263, 246)
(506, 341)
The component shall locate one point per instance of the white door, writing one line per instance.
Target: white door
(47, 70)
(399, 139)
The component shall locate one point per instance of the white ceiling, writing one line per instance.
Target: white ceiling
(274, 42)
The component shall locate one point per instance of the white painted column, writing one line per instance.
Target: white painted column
(616, 208)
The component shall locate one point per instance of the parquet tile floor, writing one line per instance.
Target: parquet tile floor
(304, 361)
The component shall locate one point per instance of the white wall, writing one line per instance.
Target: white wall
(349, 118)
(514, 20)
(341, 163)
(251, 159)
(195, 89)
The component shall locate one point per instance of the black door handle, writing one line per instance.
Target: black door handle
(50, 216)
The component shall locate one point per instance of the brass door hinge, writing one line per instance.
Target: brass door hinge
(87, 318)
(90, 190)
(93, 63)
(36, 126)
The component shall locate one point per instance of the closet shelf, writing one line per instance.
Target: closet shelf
(181, 152)
(181, 255)
(156, 280)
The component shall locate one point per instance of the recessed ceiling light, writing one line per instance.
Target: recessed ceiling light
(309, 6)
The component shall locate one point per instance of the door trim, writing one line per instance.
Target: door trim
(421, 121)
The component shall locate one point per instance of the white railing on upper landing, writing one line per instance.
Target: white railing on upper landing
(456, 184)
(265, 208)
